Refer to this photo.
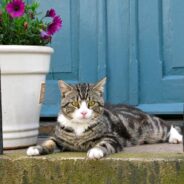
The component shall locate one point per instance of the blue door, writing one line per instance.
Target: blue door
(161, 55)
(137, 44)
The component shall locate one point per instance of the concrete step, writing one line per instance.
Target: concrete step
(133, 166)
(146, 164)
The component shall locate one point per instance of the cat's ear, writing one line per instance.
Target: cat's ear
(64, 87)
(99, 86)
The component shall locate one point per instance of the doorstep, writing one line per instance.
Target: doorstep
(149, 164)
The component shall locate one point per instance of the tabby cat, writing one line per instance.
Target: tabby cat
(86, 124)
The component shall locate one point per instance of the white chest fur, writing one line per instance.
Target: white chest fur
(78, 127)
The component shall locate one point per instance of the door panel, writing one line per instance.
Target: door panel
(138, 45)
(118, 51)
(64, 64)
(64, 42)
(173, 28)
(161, 53)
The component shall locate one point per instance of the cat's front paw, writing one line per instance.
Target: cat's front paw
(95, 153)
(33, 151)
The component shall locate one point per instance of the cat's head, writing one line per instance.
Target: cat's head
(82, 102)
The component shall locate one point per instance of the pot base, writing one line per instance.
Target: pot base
(19, 143)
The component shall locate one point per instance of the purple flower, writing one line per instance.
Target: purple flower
(51, 13)
(45, 35)
(15, 8)
(54, 26)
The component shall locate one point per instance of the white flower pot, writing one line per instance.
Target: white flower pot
(23, 70)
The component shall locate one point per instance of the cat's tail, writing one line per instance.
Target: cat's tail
(174, 135)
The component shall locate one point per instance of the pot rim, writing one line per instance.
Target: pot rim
(26, 48)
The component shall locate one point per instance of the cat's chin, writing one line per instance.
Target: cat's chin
(81, 120)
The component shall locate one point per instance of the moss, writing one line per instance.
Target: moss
(148, 156)
(82, 155)
(73, 168)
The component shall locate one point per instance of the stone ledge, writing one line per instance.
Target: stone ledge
(75, 168)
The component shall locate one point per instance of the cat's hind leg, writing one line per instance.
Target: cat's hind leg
(46, 147)
(174, 136)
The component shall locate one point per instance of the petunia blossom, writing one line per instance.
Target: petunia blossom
(55, 25)
(15, 8)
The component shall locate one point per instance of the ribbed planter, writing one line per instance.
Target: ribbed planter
(23, 70)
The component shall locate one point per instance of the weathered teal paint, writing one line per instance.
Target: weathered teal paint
(138, 45)
(161, 55)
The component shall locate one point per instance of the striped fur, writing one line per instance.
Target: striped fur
(86, 124)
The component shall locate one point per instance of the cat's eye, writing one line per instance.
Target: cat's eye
(75, 103)
(91, 103)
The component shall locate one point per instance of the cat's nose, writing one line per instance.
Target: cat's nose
(83, 113)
